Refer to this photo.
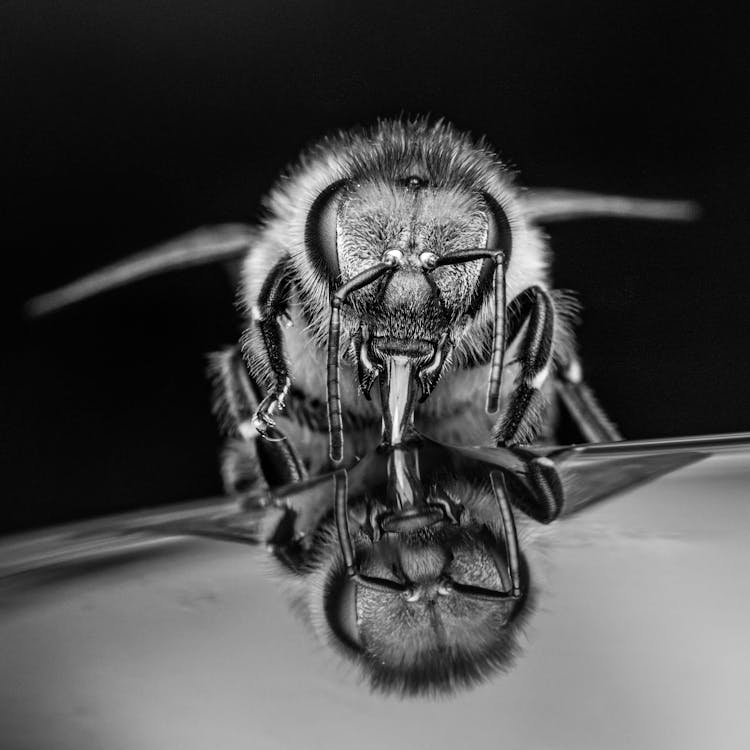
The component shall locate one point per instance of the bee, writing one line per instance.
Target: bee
(406, 241)
(404, 255)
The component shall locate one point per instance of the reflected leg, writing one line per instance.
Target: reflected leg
(263, 344)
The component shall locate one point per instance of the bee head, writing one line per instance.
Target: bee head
(417, 189)
(398, 236)
(425, 628)
(414, 223)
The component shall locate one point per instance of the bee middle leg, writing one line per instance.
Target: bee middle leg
(522, 417)
(264, 347)
(543, 360)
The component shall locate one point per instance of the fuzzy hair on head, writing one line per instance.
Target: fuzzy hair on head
(375, 161)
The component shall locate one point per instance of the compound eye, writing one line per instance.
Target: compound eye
(320, 230)
(340, 603)
(498, 234)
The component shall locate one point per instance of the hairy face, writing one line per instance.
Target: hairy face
(434, 641)
(401, 185)
(377, 216)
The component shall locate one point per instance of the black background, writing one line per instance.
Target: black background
(127, 123)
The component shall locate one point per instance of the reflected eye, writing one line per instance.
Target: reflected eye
(341, 611)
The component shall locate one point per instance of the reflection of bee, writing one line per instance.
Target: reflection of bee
(403, 227)
(425, 614)
(415, 575)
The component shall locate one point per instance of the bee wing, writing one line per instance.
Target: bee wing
(465, 457)
(595, 472)
(26, 557)
(223, 242)
(90, 542)
(291, 512)
(546, 205)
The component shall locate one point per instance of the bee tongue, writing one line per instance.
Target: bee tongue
(425, 359)
(398, 395)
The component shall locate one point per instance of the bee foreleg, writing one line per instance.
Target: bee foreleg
(522, 417)
(263, 345)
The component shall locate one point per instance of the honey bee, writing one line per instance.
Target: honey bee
(407, 240)
(404, 255)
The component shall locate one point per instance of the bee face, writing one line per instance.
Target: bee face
(414, 219)
(429, 639)
(412, 187)
(435, 644)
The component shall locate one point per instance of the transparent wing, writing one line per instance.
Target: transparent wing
(224, 242)
(101, 538)
(591, 473)
(546, 205)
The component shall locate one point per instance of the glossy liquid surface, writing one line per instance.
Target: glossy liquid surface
(640, 640)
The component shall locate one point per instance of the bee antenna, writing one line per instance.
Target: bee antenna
(341, 492)
(335, 423)
(498, 343)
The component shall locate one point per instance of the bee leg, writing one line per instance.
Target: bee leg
(584, 409)
(249, 466)
(522, 417)
(588, 418)
(263, 345)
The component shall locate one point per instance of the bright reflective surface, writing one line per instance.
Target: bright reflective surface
(639, 640)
